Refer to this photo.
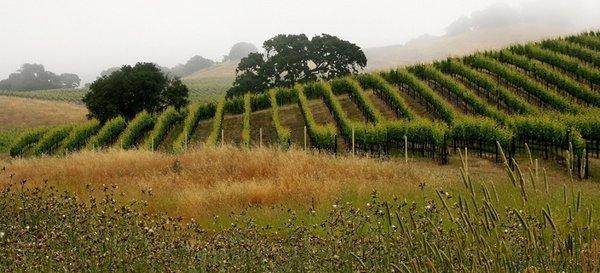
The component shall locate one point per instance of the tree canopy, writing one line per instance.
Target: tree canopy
(192, 65)
(35, 77)
(240, 50)
(129, 90)
(291, 59)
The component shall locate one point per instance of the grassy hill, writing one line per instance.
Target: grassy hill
(545, 95)
(431, 48)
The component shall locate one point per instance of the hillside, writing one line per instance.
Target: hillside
(526, 97)
(25, 113)
(430, 48)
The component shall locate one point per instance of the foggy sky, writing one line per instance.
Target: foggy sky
(88, 36)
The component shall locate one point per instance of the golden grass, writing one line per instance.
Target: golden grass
(22, 113)
(205, 182)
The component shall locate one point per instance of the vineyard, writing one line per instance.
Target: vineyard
(541, 97)
(204, 90)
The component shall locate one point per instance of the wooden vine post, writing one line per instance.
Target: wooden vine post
(405, 149)
(305, 138)
(260, 137)
(353, 149)
(222, 137)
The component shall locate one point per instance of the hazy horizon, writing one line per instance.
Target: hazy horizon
(86, 37)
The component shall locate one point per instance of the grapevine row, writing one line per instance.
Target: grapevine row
(574, 50)
(321, 137)
(136, 128)
(357, 94)
(246, 121)
(164, 123)
(483, 81)
(529, 86)
(448, 83)
(384, 91)
(108, 134)
(563, 62)
(215, 133)
(283, 133)
(402, 77)
(550, 76)
(196, 112)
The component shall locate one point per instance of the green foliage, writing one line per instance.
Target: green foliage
(234, 106)
(565, 63)
(7, 137)
(26, 140)
(283, 133)
(586, 40)
(321, 137)
(386, 93)
(196, 112)
(108, 134)
(68, 95)
(130, 90)
(517, 79)
(439, 230)
(448, 83)
(512, 101)
(246, 120)
(350, 86)
(79, 135)
(574, 50)
(442, 107)
(588, 124)
(260, 101)
(136, 129)
(286, 96)
(52, 140)
(550, 76)
(291, 59)
(365, 135)
(479, 130)
(419, 130)
(35, 77)
(215, 134)
(164, 123)
(545, 129)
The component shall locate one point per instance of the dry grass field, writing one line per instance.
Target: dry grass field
(216, 181)
(25, 113)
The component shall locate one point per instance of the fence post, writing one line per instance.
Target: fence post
(305, 137)
(260, 137)
(586, 168)
(405, 149)
(353, 151)
(222, 137)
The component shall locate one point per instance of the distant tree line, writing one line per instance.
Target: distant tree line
(35, 77)
(291, 59)
(196, 63)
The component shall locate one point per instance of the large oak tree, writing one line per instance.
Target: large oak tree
(291, 59)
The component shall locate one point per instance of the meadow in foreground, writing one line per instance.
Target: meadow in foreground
(365, 215)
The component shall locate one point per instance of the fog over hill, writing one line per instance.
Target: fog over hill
(87, 37)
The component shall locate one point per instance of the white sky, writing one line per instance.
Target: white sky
(87, 36)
